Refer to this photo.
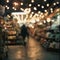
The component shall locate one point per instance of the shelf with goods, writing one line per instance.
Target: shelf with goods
(52, 39)
(3, 47)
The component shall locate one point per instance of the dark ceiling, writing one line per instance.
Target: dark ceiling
(34, 4)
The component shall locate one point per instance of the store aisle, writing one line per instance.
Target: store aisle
(34, 52)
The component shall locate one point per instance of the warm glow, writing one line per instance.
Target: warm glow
(51, 9)
(32, 12)
(38, 5)
(45, 10)
(32, 1)
(15, 3)
(42, 6)
(45, 0)
(7, 1)
(13, 7)
(54, 3)
(22, 9)
(47, 5)
(39, 12)
(48, 19)
(30, 5)
(27, 10)
(35, 8)
(7, 7)
(57, 2)
(44, 21)
(21, 3)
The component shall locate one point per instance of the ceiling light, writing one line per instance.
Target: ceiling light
(39, 12)
(13, 7)
(47, 5)
(57, 2)
(7, 1)
(45, 0)
(48, 19)
(15, 3)
(45, 10)
(51, 9)
(54, 4)
(32, 12)
(38, 5)
(7, 7)
(35, 8)
(42, 6)
(21, 3)
(30, 5)
(32, 1)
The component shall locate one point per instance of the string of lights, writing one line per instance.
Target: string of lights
(34, 5)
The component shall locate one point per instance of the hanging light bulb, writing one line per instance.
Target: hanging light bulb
(42, 6)
(38, 5)
(35, 8)
(47, 5)
(57, 2)
(21, 3)
(45, 0)
(7, 7)
(32, 1)
(13, 7)
(54, 4)
(39, 12)
(32, 12)
(45, 10)
(51, 9)
(7, 1)
(30, 5)
(15, 3)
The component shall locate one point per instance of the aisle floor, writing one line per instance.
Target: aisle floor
(32, 51)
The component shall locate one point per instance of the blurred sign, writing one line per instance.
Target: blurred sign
(2, 10)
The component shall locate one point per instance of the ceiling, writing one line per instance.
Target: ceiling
(35, 5)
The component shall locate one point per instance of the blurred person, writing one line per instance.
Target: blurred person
(24, 33)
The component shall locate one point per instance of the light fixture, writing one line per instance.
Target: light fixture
(30, 5)
(35, 8)
(22, 9)
(45, 10)
(44, 21)
(21, 3)
(7, 1)
(45, 0)
(51, 9)
(57, 2)
(15, 3)
(7, 7)
(47, 5)
(42, 6)
(48, 19)
(32, 1)
(39, 12)
(13, 7)
(32, 12)
(54, 4)
(38, 5)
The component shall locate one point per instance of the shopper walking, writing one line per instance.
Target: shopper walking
(24, 33)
